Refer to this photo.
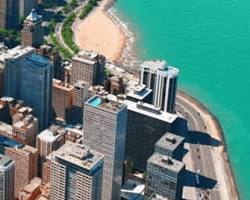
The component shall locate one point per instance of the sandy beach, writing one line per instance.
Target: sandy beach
(103, 36)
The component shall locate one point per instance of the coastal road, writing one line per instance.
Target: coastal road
(58, 29)
(200, 153)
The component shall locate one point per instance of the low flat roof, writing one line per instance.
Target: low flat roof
(169, 141)
(105, 104)
(78, 154)
(5, 161)
(160, 115)
(166, 162)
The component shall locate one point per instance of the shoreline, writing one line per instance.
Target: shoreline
(124, 59)
(104, 36)
(226, 160)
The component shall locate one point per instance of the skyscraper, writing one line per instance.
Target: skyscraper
(25, 6)
(105, 132)
(48, 141)
(80, 94)
(32, 32)
(164, 177)
(162, 79)
(7, 178)
(28, 77)
(76, 173)
(62, 100)
(87, 66)
(25, 158)
(9, 13)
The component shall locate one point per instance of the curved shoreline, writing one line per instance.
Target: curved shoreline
(227, 164)
(130, 69)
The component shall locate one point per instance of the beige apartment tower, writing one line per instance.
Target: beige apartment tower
(76, 173)
(87, 66)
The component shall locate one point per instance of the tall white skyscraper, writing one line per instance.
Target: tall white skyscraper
(105, 131)
(162, 79)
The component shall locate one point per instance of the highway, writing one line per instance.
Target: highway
(200, 153)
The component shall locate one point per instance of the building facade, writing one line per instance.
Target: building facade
(170, 145)
(80, 94)
(62, 99)
(9, 14)
(145, 126)
(25, 6)
(32, 32)
(48, 141)
(87, 66)
(164, 177)
(28, 77)
(76, 173)
(7, 178)
(25, 158)
(162, 79)
(105, 132)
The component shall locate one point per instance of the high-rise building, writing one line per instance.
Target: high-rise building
(162, 79)
(25, 158)
(48, 141)
(76, 173)
(7, 178)
(105, 132)
(9, 14)
(87, 66)
(170, 145)
(146, 125)
(32, 32)
(28, 77)
(164, 177)
(62, 99)
(80, 94)
(25, 6)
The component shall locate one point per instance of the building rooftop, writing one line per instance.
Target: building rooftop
(60, 85)
(78, 154)
(5, 129)
(16, 53)
(157, 197)
(160, 66)
(80, 84)
(33, 185)
(5, 161)
(34, 17)
(150, 111)
(166, 162)
(170, 141)
(6, 142)
(139, 92)
(88, 57)
(132, 190)
(26, 123)
(52, 133)
(105, 104)
(38, 60)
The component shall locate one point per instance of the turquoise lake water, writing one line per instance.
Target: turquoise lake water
(210, 42)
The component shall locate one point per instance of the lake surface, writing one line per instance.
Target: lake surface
(210, 42)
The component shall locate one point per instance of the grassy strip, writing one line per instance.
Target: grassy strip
(65, 52)
(86, 10)
(68, 34)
